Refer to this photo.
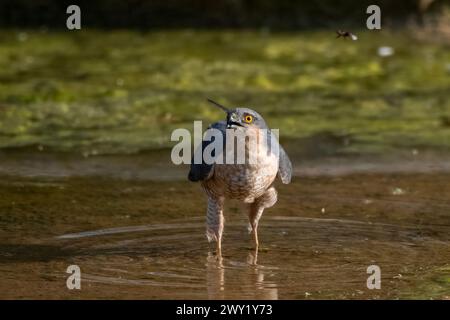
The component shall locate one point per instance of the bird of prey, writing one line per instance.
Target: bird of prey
(249, 182)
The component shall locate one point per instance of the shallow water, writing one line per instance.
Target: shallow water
(140, 238)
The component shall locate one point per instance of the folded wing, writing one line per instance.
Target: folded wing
(203, 171)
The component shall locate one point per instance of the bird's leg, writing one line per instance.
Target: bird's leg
(255, 237)
(254, 215)
(215, 222)
(253, 258)
(268, 199)
(219, 248)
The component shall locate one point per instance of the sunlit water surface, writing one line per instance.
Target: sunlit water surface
(145, 239)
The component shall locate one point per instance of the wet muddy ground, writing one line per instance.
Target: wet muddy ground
(137, 237)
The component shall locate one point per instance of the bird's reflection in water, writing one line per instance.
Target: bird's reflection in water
(234, 280)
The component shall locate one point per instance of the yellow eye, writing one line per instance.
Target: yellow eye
(248, 118)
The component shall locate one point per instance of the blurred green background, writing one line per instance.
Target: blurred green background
(123, 89)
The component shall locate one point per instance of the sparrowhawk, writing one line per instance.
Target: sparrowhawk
(250, 182)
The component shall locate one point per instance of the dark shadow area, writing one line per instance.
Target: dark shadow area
(141, 14)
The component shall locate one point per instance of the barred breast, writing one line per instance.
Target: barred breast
(243, 181)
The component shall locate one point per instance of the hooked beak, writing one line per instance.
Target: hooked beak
(232, 119)
(230, 124)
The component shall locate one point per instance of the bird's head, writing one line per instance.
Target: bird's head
(242, 117)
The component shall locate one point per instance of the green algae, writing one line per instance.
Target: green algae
(124, 91)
